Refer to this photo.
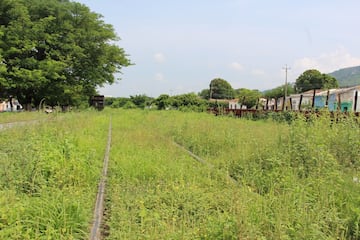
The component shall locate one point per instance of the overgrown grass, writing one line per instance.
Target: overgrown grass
(156, 191)
(297, 180)
(48, 177)
(7, 117)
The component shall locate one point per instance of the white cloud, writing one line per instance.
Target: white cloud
(159, 57)
(236, 66)
(327, 62)
(159, 77)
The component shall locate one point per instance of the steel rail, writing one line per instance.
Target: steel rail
(95, 232)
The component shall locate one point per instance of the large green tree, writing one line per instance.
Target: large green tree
(221, 89)
(313, 79)
(248, 97)
(57, 50)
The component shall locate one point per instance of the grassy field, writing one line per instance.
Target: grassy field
(261, 180)
(8, 117)
(48, 176)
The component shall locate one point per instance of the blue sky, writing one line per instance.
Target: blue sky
(180, 46)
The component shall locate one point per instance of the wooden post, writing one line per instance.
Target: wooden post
(355, 100)
(327, 98)
(291, 108)
(301, 98)
(283, 104)
(275, 105)
(313, 99)
(339, 102)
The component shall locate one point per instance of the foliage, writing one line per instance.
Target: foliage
(189, 101)
(109, 101)
(163, 101)
(57, 50)
(279, 92)
(347, 76)
(248, 97)
(138, 101)
(141, 101)
(183, 102)
(221, 89)
(119, 102)
(205, 94)
(313, 79)
(129, 105)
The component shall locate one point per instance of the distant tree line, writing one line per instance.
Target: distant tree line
(183, 102)
(220, 91)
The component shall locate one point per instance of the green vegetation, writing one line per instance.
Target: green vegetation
(8, 117)
(293, 181)
(248, 97)
(262, 180)
(347, 76)
(279, 92)
(55, 50)
(221, 89)
(182, 102)
(313, 79)
(48, 177)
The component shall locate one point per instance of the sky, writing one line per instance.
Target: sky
(178, 47)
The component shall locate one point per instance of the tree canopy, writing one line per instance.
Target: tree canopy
(248, 97)
(313, 79)
(221, 89)
(57, 50)
(163, 101)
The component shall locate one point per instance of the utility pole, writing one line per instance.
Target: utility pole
(286, 68)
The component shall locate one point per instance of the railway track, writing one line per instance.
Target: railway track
(204, 162)
(97, 221)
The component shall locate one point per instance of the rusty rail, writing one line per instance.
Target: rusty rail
(95, 232)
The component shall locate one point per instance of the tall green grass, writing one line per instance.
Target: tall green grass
(156, 191)
(294, 181)
(7, 117)
(297, 180)
(48, 177)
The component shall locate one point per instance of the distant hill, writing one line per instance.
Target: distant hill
(347, 77)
